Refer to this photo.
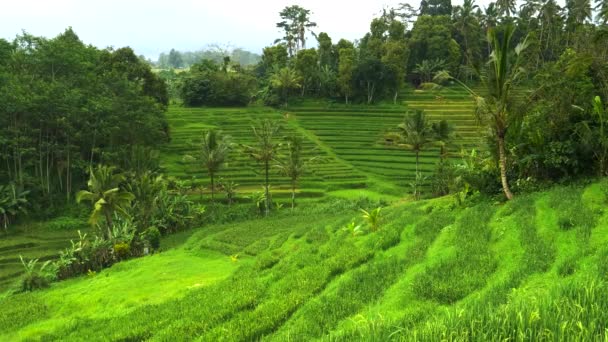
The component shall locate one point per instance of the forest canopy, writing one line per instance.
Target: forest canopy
(66, 106)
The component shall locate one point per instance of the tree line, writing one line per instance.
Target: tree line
(66, 106)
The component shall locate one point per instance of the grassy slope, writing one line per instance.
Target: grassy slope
(348, 138)
(530, 269)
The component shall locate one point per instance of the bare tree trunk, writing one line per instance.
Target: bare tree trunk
(503, 167)
(395, 97)
(293, 195)
(109, 223)
(212, 187)
(267, 190)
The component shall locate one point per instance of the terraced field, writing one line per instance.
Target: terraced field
(349, 138)
(32, 242)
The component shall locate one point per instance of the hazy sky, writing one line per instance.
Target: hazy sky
(153, 26)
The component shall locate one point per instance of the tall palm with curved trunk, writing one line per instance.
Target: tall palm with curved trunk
(106, 196)
(214, 151)
(264, 150)
(495, 108)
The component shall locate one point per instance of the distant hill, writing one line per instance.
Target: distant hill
(184, 59)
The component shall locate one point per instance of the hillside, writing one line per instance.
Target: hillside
(349, 139)
(531, 269)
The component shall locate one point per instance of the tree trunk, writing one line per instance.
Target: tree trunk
(346, 96)
(503, 167)
(293, 195)
(267, 209)
(395, 97)
(108, 222)
(416, 179)
(212, 187)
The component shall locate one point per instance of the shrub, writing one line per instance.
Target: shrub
(122, 250)
(37, 277)
(152, 237)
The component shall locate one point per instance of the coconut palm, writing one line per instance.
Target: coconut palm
(466, 23)
(264, 151)
(505, 7)
(495, 108)
(428, 67)
(293, 164)
(602, 12)
(443, 134)
(106, 196)
(285, 80)
(214, 151)
(12, 202)
(415, 134)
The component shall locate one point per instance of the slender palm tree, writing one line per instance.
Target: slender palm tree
(415, 134)
(285, 80)
(106, 196)
(506, 7)
(443, 134)
(602, 11)
(265, 150)
(214, 151)
(293, 164)
(466, 23)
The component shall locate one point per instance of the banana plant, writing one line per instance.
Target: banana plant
(372, 218)
(12, 202)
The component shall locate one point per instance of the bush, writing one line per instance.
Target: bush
(37, 277)
(122, 250)
(152, 237)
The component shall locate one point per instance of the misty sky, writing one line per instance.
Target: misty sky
(154, 26)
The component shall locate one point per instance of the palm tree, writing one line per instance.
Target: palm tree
(293, 165)
(428, 67)
(443, 134)
(265, 150)
(214, 150)
(506, 7)
(466, 22)
(490, 16)
(495, 108)
(285, 80)
(415, 133)
(106, 196)
(602, 11)
(12, 202)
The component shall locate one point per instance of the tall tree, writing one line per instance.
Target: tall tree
(415, 133)
(467, 25)
(214, 151)
(264, 151)
(295, 24)
(496, 108)
(506, 7)
(345, 72)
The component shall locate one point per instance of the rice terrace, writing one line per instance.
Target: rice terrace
(435, 172)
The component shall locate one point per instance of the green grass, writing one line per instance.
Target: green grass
(432, 272)
(348, 138)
